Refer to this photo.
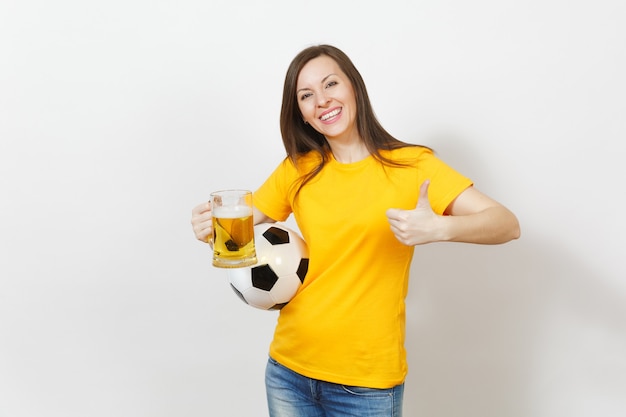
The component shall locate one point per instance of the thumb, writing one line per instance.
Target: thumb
(422, 200)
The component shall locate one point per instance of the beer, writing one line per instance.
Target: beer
(233, 236)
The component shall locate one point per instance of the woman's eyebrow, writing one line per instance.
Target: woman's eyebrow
(323, 81)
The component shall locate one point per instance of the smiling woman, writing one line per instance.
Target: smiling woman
(327, 102)
(362, 200)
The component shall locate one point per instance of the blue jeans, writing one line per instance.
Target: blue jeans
(290, 394)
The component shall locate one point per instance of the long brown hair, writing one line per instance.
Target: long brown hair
(300, 138)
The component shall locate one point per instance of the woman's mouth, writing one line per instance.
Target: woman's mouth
(326, 116)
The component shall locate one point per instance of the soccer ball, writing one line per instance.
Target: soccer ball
(283, 261)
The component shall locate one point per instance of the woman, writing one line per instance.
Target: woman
(362, 200)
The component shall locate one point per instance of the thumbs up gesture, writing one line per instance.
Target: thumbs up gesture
(417, 226)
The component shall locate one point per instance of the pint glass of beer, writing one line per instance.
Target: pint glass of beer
(233, 229)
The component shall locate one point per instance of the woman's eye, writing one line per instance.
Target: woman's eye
(331, 83)
(305, 96)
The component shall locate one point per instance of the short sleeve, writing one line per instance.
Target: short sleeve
(273, 197)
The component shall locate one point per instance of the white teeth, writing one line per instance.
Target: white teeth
(331, 114)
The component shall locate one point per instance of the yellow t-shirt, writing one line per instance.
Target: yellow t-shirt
(346, 324)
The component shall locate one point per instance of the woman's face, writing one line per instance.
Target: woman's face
(326, 98)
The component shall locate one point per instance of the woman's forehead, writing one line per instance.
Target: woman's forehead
(317, 69)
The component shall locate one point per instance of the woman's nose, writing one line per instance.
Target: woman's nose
(322, 100)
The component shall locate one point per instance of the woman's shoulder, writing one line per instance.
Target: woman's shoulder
(302, 162)
(408, 152)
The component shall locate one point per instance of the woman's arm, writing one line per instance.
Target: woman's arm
(472, 217)
(260, 217)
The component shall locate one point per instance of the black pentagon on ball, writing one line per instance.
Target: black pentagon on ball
(263, 277)
(276, 236)
(239, 294)
(303, 267)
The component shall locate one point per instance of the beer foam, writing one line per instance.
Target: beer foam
(232, 212)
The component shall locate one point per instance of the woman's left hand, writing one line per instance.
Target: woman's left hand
(418, 226)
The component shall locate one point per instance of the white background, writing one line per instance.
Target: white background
(117, 117)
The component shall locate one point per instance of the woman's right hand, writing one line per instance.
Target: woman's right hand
(202, 222)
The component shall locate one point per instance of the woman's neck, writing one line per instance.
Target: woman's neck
(348, 150)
